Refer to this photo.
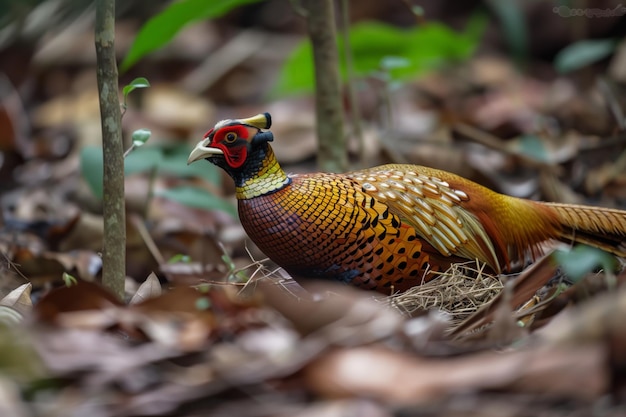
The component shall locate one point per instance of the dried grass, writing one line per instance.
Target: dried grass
(459, 291)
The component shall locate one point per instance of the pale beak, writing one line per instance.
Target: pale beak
(201, 152)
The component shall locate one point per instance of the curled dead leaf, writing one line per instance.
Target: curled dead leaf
(150, 288)
(19, 299)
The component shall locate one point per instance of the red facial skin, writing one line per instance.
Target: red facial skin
(233, 141)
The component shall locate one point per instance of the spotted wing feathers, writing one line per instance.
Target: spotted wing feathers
(432, 208)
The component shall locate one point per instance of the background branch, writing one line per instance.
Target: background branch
(333, 154)
(114, 245)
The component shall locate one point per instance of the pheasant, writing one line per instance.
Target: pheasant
(390, 227)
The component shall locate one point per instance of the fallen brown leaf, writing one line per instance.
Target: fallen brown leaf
(82, 296)
(398, 378)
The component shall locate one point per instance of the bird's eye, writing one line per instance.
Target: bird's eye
(230, 137)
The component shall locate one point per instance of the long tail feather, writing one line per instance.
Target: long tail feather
(604, 228)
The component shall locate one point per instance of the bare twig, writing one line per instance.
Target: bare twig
(147, 239)
(614, 105)
(493, 142)
(130, 149)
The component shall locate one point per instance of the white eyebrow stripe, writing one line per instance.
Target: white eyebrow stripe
(223, 123)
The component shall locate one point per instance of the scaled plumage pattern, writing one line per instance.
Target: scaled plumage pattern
(389, 227)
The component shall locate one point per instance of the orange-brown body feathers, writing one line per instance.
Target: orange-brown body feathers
(387, 228)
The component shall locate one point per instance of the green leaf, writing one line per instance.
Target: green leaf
(417, 10)
(583, 53)
(582, 260)
(143, 160)
(140, 137)
(203, 303)
(533, 146)
(296, 75)
(179, 258)
(240, 276)
(228, 261)
(168, 159)
(139, 82)
(393, 62)
(204, 287)
(403, 53)
(91, 168)
(174, 162)
(91, 165)
(69, 280)
(197, 197)
(159, 30)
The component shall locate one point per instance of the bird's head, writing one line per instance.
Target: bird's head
(230, 143)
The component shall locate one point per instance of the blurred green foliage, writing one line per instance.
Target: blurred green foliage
(374, 44)
(582, 260)
(199, 198)
(533, 146)
(423, 48)
(583, 53)
(167, 160)
(160, 29)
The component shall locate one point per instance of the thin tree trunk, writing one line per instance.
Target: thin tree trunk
(114, 245)
(355, 112)
(333, 153)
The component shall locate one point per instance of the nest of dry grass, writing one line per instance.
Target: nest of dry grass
(460, 291)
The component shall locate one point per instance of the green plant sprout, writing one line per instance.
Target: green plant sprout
(69, 280)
